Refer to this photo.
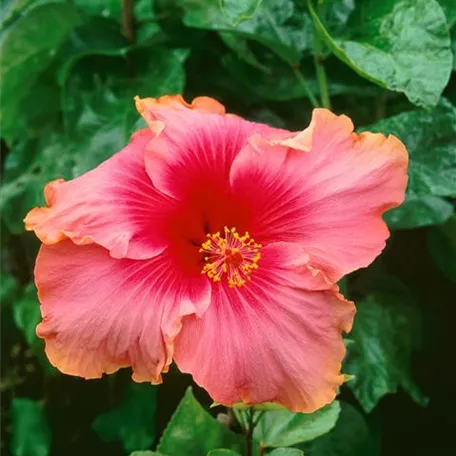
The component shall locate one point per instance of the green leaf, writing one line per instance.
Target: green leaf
(105, 8)
(430, 138)
(161, 72)
(146, 453)
(284, 428)
(133, 422)
(419, 211)
(286, 452)
(193, 432)
(96, 133)
(31, 435)
(223, 452)
(349, 437)
(238, 11)
(10, 10)
(442, 246)
(48, 163)
(276, 24)
(27, 50)
(384, 336)
(402, 45)
(26, 313)
(335, 14)
(453, 46)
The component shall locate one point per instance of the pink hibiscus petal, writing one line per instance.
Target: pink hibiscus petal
(277, 338)
(115, 205)
(101, 314)
(325, 188)
(192, 154)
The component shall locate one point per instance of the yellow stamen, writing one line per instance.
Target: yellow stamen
(232, 255)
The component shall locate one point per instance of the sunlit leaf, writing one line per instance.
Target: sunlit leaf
(398, 44)
(193, 432)
(285, 428)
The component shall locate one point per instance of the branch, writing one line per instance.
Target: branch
(128, 21)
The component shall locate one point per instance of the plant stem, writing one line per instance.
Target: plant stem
(302, 81)
(249, 433)
(321, 73)
(128, 30)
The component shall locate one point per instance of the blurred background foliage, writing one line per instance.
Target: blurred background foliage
(68, 73)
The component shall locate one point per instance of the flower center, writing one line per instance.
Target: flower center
(233, 255)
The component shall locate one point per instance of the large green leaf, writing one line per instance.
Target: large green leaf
(27, 50)
(442, 246)
(384, 337)
(193, 432)
(284, 428)
(402, 45)
(31, 435)
(430, 137)
(276, 24)
(133, 421)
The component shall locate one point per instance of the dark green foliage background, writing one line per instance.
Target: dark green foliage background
(68, 73)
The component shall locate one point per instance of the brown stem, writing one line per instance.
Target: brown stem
(128, 30)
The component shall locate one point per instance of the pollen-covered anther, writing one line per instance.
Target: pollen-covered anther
(230, 256)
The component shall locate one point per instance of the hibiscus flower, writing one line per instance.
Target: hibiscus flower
(217, 243)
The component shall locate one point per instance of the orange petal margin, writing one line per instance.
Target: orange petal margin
(203, 104)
